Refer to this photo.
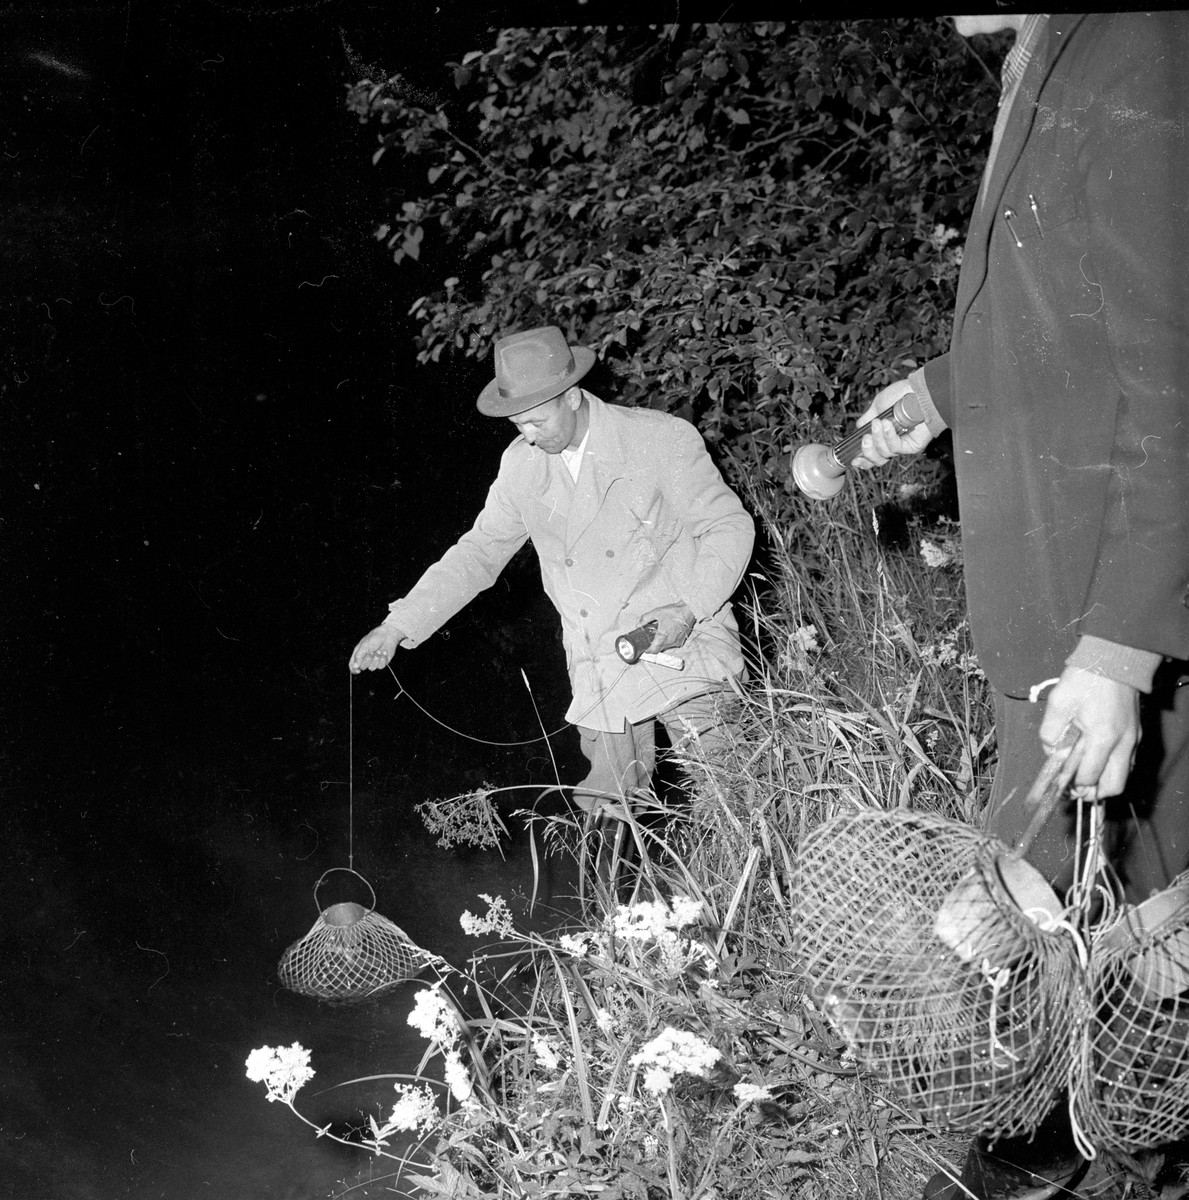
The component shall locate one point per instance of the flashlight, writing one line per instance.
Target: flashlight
(820, 471)
(629, 646)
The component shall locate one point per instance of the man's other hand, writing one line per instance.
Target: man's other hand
(674, 623)
(1107, 712)
(883, 442)
(375, 651)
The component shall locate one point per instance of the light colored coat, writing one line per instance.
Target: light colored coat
(649, 522)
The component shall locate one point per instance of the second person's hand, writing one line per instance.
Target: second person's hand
(882, 442)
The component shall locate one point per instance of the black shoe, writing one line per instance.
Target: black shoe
(1014, 1169)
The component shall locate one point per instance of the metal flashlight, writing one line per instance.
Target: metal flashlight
(820, 471)
(629, 646)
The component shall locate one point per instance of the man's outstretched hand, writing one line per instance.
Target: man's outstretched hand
(1107, 713)
(375, 651)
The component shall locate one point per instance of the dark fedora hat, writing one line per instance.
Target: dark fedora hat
(530, 368)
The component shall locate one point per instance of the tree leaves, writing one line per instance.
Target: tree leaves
(741, 218)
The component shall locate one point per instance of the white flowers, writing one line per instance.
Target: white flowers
(947, 653)
(653, 918)
(750, 1093)
(471, 819)
(802, 642)
(546, 1050)
(942, 236)
(282, 1070)
(673, 1052)
(654, 921)
(498, 918)
(575, 946)
(434, 1018)
(935, 555)
(415, 1110)
(457, 1077)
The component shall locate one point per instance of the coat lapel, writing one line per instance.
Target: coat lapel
(1015, 137)
(602, 464)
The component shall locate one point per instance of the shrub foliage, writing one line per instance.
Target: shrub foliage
(754, 224)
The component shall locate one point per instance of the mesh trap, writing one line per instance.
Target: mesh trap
(1131, 1088)
(918, 944)
(351, 953)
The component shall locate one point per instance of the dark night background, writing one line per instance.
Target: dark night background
(219, 464)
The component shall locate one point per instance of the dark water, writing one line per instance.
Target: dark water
(219, 464)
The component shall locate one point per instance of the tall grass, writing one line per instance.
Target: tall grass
(861, 691)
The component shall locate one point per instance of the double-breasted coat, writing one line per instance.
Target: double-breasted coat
(649, 522)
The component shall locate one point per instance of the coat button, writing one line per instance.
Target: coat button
(569, 562)
(583, 613)
(610, 553)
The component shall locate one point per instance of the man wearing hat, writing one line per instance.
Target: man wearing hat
(632, 524)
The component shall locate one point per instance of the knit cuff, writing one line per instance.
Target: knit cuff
(1124, 664)
(933, 419)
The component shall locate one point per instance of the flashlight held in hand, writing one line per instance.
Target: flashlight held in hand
(820, 471)
(629, 646)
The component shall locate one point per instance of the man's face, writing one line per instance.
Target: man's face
(988, 23)
(552, 426)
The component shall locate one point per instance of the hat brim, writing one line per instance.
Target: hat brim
(492, 404)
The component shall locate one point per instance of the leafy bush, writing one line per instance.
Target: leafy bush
(754, 224)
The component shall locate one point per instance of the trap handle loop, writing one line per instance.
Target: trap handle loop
(1051, 782)
(350, 871)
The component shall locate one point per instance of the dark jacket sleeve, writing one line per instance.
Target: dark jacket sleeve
(936, 374)
(1134, 155)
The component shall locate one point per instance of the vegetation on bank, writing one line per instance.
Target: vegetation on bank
(664, 1047)
(756, 226)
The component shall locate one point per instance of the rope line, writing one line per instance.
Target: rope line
(350, 771)
(458, 732)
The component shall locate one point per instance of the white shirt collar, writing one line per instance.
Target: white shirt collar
(572, 456)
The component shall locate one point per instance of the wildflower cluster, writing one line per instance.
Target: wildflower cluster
(283, 1070)
(470, 820)
(653, 922)
(576, 945)
(935, 555)
(751, 1093)
(801, 643)
(415, 1111)
(497, 920)
(946, 653)
(546, 1051)
(435, 1019)
(673, 1052)
(949, 258)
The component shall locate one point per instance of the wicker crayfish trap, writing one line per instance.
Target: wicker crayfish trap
(1131, 1089)
(351, 953)
(921, 941)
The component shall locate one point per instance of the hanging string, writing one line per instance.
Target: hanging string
(486, 741)
(526, 741)
(350, 771)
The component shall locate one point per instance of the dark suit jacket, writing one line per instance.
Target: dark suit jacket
(1067, 379)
